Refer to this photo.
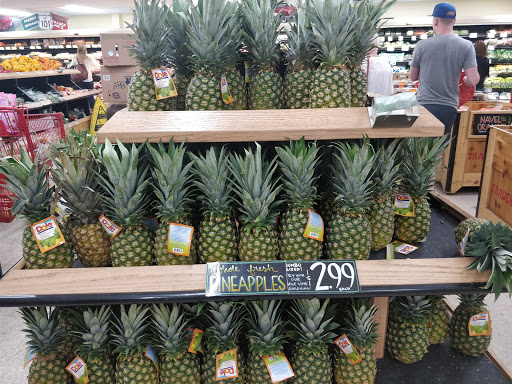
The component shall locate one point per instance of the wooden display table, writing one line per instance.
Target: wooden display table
(266, 125)
(464, 159)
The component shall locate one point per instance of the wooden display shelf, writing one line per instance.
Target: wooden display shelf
(265, 125)
(80, 124)
(45, 103)
(172, 283)
(81, 95)
(26, 75)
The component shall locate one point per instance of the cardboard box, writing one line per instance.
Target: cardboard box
(115, 82)
(115, 48)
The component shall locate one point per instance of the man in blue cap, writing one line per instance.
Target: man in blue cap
(438, 63)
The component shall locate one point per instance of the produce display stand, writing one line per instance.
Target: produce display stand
(464, 159)
(495, 198)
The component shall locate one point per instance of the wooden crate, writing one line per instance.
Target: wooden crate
(463, 160)
(495, 200)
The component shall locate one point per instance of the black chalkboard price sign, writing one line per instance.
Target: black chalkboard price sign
(483, 121)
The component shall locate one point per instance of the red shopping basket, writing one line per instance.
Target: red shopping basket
(5, 209)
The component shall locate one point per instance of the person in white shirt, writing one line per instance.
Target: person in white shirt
(90, 64)
(380, 74)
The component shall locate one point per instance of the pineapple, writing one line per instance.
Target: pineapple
(131, 340)
(298, 77)
(177, 366)
(150, 52)
(224, 325)
(382, 211)
(260, 31)
(348, 234)
(171, 181)
(469, 306)
(313, 324)
(214, 32)
(471, 224)
(266, 338)
(439, 320)
(333, 26)
(256, 192)
(94, 333)
(297, 163)
(407, 336)
(420, 161)
(29, 182)
(217, 230)
(361, 330)
(45, 338)
(66, 324)
(74, 173)
(368, 19)
(125, 200)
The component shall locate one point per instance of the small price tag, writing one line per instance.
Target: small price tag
(111, 228)
(32, 47)
(414, 38)
(404, 206)
(29, 356)
(390, 38)
(247, 72)
(391, 49)
(152, 355)
(491, 47)
(88, 46)
(473, 35)
(400, 38)
(348, 349)
(224, 90)
(315, 227)
(405, 48)
(480, 324)
(424, 36)
(410, 33)
(68, 45)
(227, 365)
(491, 35)
(8, 48)
(503, 34)
(38, 47)
(2, 48)
(164, 84)
(403, 248)
(74, 46)
(196, 335)
(462, 246)
(47, 234)
(179, 239)
(78, 369)
(21, 48)
(278, 367)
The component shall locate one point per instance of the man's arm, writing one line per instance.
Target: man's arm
(415, 73)
(472, 77)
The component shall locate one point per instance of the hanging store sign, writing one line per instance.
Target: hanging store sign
(30, 22)
(281, 277)
(44, 21)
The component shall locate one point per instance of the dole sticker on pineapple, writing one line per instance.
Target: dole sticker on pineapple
(152, 355)
(480, 324)
(164, 85)
(78, 369)
(247, 71)
(224, 90)
(278, 367)
(348, 349)
(462, 246)
(47, 234)
(403, 248)
(195, 340)
(315, 227)
(179, 239)
(404, 206)
(227, 365)
(109, 226)
(29, 356)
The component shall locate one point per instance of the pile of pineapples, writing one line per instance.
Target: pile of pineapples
(248, 204)
(202, 41)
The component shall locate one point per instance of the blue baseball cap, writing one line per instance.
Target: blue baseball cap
(444, 11)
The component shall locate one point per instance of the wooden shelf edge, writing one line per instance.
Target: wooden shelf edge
(82, 95)
(26, 75)
(79, 121)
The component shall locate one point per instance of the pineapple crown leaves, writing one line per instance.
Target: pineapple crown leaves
(472, 300)
(422, 156)
(171, 181)
(491, 246)
(224, 326)
(172, 329)
(361, 327)
(255, 189)
(313, 324)
(298, 165)
(352, 172)
(387, 169)
(299, 36)
(266, 336)
(212, 177)
(125, 186)
(44, 335)
(93, 331)
(178, 52)
(150, 49)
(214, 32)
(414, 309)
(368, 16)
(333, 25)
(260, 33)
(29, 182)
(132, 336)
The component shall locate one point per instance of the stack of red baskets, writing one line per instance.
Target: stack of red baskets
(33, 133)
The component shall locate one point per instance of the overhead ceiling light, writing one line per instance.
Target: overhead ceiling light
(81, 9)
(14, 12)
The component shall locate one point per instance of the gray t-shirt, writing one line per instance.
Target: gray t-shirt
(441, 60)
